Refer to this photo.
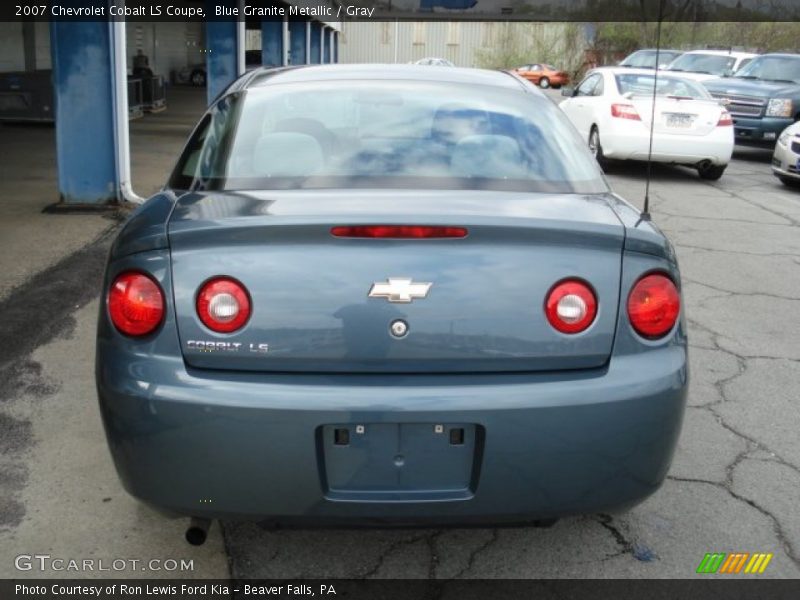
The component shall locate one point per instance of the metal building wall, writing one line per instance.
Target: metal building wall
(12, 53)
(459, 42)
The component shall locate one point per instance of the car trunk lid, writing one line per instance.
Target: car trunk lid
(678, 115)
(311, 308)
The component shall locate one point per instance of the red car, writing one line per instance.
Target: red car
(543, 75)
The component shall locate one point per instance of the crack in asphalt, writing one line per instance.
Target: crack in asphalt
(777, 213)
(669, 216)
(778, 529)
(480, 549)
(752, 444)
(727, 293)
(389, 549)
(607, 523)
(430, 540)
(727, 251)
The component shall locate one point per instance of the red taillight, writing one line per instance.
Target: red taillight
(398, 231)
(135, 303)
(625, 111)
(725, 119)
(571, 306)
(223, 304)
(653, 306)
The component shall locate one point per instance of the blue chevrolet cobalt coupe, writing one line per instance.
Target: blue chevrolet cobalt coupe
(389, 295)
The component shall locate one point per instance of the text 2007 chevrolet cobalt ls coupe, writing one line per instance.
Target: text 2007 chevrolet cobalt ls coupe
(390, 295)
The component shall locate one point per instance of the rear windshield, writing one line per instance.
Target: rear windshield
(646, 59)
(395, 134)
(713, 64)
(642, 85)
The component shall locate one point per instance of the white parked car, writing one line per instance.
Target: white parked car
(434, 62)
(701, 65)
(612, 107)
(786, 159)
(646, 58)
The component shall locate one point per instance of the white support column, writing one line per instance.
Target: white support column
(286, 41)
(122, 141)
(241, 33)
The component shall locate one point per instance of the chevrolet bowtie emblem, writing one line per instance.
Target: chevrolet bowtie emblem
(399, 290)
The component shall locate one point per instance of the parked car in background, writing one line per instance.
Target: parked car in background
(646, 58)
(612, 108)
(543, 75)
(389, 294)
(434, 62)
(786, 158)
(196, 74)
(702, 65)
(763, 97)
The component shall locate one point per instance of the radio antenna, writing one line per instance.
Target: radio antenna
(645, 215)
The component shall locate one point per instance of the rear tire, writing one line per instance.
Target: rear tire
(544, 83)
(596, 148)
(711, 172)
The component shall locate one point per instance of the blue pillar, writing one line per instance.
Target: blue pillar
(316, 49)
(297, 37)
(222, 57)
(272, 43)
(83, 81)
(326, 45)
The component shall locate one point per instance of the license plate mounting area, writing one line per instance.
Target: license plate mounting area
(397, 462)
(679, 120)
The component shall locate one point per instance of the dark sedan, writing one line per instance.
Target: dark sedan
(389, 295)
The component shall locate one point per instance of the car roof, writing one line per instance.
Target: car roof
(385, 72)
(783, 54)
(734, 53)
(636, 71)
(657, 49)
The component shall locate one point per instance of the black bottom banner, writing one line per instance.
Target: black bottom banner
(390, 589)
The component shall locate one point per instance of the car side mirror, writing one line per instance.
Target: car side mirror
(567, 91)
(727, 73)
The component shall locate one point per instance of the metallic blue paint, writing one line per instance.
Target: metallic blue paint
(555, 443)
(84, 82)
(309, 289)
(572, 425)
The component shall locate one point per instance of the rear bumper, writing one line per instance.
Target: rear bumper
(249, 446)
(717, 146)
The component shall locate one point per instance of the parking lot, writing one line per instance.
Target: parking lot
(733, 486)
